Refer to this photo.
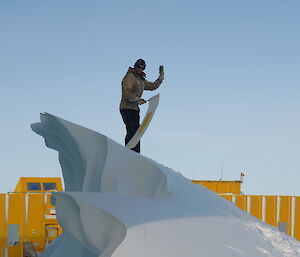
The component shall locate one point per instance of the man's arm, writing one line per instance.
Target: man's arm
(156, 84)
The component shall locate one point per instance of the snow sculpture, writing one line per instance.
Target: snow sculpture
(119, 203)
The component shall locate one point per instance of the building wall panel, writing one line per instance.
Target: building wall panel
(256, 206)
(271, 206)
(35, 227)
(297, 218)
(2, 225)
(285, 214)
(15, 217)
(241, 202)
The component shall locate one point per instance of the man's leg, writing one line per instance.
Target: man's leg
(131, 119)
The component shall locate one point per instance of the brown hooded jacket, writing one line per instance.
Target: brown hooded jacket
(133, 86)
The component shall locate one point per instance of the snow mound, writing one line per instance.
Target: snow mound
(119, 203)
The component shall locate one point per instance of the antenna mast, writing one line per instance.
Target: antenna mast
(221, 170)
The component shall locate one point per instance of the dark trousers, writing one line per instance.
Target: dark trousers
(131, 119)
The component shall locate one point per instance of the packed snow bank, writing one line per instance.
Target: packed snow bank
(119, 203)
(84, 155)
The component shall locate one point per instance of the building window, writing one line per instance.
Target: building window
(34, 186)
(49, 186)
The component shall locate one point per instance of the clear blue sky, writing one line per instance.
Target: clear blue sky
(231, 90)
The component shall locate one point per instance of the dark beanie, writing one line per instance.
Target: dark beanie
(140, 62)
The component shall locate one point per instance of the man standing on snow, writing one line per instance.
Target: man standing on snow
(133, 85)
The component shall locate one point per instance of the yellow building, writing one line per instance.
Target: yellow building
(28, 219)
(38, 185)
(282, 212)
(221, 187)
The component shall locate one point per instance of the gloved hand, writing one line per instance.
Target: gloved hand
(141, 101)
(161, 72)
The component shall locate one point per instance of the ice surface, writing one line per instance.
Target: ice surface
(119, 203)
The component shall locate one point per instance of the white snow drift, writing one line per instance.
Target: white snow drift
(121, 204)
